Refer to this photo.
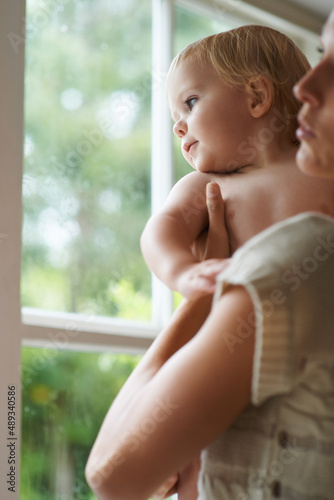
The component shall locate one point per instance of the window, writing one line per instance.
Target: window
(65, 397)
(86, 183)
(94, 90)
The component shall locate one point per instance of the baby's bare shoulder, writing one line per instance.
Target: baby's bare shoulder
(190, 186)
(195, 179)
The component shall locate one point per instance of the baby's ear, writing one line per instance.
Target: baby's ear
(261, 95)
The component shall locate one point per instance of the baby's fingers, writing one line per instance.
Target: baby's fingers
(213, 267)
(204, 282)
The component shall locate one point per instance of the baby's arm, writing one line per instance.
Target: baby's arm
(168, 238)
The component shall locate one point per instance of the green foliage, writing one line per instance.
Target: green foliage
(65, 398)
(87, 163)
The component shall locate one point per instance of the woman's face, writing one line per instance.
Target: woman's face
(316, 117)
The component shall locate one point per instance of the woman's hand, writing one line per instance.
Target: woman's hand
(211, 248)
(167, 489)
(213, 243)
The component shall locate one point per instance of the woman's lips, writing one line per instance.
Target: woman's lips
(304, 132)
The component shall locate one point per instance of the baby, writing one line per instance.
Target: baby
(230, 95)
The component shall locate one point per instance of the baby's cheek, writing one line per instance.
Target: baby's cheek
(188, 159)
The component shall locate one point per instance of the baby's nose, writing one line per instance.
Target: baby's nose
(180, 128)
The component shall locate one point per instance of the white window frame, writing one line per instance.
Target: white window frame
(71, 331)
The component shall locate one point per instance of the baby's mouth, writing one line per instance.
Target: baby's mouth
(187, 147)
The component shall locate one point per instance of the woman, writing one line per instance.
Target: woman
(254, 385)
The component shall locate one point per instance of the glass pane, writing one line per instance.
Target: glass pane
(87, 156)
(65, 397)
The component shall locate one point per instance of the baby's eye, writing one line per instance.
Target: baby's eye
(190, 103)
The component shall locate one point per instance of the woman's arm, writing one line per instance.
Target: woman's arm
(168, 237)
(185, 323)
(190, 400)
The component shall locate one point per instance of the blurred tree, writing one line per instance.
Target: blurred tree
(87, 153)
(65, 398)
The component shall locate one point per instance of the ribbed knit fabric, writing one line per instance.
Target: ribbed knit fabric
(282, 446)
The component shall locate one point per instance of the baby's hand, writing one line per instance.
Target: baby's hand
(167, 489)
(200, 279)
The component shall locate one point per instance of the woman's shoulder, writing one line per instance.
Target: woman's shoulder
(295, 233)
(303, 241)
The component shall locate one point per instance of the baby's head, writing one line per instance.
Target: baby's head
(247, 52)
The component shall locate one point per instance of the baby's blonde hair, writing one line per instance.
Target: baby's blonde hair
(247, 52)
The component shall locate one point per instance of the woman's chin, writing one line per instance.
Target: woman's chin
(310, 164)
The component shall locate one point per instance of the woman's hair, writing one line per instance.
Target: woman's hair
(247, 52)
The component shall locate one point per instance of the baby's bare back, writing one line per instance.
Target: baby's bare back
(257, 198)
